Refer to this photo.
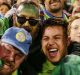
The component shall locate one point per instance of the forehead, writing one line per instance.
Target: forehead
(28, 9)
(76, 22)
(10, 47)
(4, 6)
(53, 30)
(28, 15)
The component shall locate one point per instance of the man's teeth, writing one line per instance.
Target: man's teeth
(53, 50)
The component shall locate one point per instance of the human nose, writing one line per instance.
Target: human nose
(11, 57)
(26, 23)
(51, 42)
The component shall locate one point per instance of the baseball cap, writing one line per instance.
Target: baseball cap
(19, 38)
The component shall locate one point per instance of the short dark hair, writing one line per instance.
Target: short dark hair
(6, 4)
(54, 22)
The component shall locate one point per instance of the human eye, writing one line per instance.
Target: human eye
(57, 37)
(1, 9)
(18, 55)
(45, 38)
(76, 27)
(7, 50)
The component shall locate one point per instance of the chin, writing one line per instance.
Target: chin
(54, 60)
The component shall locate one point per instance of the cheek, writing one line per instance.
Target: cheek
(64, 46)
(4, 11)
(2, 54)
(47, 4)
(34, 30)
(62, 2)
(73, 32)
(18, 62)
(43, 46)
(61, 45)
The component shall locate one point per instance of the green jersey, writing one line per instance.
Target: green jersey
(70, 65)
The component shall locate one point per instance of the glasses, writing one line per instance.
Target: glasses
(23, 20)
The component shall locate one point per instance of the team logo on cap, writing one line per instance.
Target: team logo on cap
(20, 36)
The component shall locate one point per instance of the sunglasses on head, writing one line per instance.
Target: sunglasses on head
(23, 20)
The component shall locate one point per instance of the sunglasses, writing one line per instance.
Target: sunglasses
(23, 20)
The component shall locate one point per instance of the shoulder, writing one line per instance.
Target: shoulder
(70, 66)
(71, 59)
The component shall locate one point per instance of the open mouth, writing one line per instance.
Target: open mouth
(7, 65)
(53, 52)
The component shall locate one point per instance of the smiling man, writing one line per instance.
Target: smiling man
(14, 48)
(55, 42)
(53, 9)
(54, 5)
(27, 17)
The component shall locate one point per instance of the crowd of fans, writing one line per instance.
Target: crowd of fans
(54, 26)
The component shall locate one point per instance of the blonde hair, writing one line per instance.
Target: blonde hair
(71, 19)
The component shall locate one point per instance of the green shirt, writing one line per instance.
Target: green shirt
(47, 68)
(70, 65)
(48, 15)
(4, 24)
(14, 73)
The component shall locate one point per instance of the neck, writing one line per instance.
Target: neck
(58, 14)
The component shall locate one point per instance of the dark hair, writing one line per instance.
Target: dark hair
(6, 4)
(54, 22)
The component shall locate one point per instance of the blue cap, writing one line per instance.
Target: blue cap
(19, 38)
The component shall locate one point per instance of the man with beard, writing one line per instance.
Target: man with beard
(27, 17)
(53, 9)
(14, 48)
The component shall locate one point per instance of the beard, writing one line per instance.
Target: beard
(3, 70)
(55, 10)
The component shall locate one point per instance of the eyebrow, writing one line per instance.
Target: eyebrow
(53, 35)
(17, 50)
